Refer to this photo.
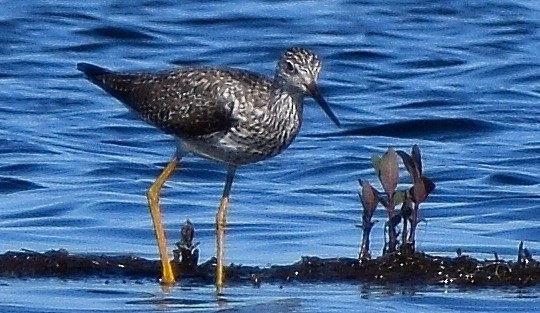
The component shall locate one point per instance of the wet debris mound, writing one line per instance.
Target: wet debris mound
(404, 266)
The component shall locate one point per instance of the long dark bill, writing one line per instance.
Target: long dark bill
(316, 94)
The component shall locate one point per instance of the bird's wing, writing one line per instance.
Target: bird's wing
(183, 102)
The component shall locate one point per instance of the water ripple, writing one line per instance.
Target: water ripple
(458, 78)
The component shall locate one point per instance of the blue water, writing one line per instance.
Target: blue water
(459, 78)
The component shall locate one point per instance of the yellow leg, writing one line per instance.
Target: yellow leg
(221, 217)
(152, 195)
(220, 239)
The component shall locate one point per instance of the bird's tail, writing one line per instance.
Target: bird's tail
(91, 69)
(119, 85)
(93, 72)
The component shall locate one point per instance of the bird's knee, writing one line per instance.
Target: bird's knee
(152, 194)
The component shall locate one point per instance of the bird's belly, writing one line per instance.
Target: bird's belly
(235, 148)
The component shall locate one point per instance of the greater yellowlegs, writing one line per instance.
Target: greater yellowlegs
(228, 115)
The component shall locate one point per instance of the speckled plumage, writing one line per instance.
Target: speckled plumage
(229, 115)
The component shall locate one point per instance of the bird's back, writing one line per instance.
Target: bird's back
(184, 102)
(229, 115)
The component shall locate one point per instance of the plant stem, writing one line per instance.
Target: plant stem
(364, 249)
(414, 222)
(392, 237)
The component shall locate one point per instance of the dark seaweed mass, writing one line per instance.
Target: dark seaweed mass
(403, 266)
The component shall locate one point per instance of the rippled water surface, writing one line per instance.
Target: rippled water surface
(459, 78)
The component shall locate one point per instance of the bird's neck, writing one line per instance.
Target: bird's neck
(287, 101)
(283, 89)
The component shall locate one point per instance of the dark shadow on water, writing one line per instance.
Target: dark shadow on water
(424, 128)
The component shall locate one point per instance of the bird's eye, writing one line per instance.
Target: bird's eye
(290, 67)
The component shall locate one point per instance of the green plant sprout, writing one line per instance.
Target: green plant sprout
(387, 171)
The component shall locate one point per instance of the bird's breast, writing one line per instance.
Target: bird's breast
(256, 134)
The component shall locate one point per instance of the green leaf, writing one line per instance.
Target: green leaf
(399, 197)
(376, 163)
